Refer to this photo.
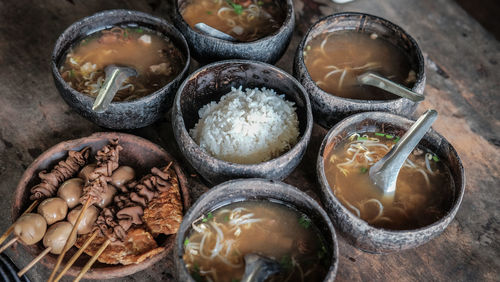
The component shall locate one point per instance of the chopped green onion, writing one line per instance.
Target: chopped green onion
(139, 30)
(304, 221)
(396, 140)
(125, 34)
(286, 262)
(388, 136)
(363, 169)
(260, 3)
(209, 12)
(226, 218)
(209, 216)
(362, 138)
(379, 134)
(238, 9)
(435, 158)
(186, 242)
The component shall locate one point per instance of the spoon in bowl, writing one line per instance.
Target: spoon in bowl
(115, 76)
(259, 268)
(384, 173)
(210, 31)
(370, 78)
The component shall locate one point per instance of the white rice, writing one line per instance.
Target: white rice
(247, 127)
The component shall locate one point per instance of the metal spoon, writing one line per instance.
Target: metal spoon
(210, 31)
(384, 173)
(259, 268)
(115, 76)
(369, 78)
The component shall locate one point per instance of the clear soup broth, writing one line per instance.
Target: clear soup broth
(245, 20)
(154, 56)
(215, 248)
(335, 59)
(423, 190)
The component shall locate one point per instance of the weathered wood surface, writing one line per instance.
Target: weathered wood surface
(462, 84)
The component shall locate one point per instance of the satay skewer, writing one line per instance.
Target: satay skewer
(11, 227)
(89, 264)
(33, 262)
(76, 256)
(8, 244)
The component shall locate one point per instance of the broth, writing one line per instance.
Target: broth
(215, 249)
(423, 189)
(154, 57)
(334, 60)
(246, 20)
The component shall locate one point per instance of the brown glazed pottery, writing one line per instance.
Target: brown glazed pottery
(329, 109)
(256, 190)
(268, 49)
(124, 114)
(138, 153)
(208, 84)
(357, 231)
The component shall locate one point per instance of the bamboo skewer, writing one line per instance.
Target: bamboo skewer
(7, 245)
(33, 262)
(67, 245)
(11, 228)
(76, 256)
(92, 260)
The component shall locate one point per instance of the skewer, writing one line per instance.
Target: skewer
(68, 245)
(33, 262)
(11, 227)
(89, 264)
(76, 256)
(7, 245)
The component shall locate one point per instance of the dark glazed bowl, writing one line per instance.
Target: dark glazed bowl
(268, 49)
(357, 231)
(208, 84)
(256, 190)
(138, 153)
(126, 114)
(329, 109)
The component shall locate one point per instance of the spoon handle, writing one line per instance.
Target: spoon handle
(384, 173)
(208, 30)
(113, 82)
(383, 83)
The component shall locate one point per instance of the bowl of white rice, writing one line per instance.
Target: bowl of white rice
(242, 119)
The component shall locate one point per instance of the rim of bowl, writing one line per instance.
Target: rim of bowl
(420, 58)
(179, 246)
(110, 270)
(460, 190)
(308, 122)
(88, 20)
(288, 19)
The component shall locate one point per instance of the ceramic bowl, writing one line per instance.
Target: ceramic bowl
(357, 231)
(329, 109)
(124, 114)
(256, 190)
(138, 153)
(268, 49)
(208, 84)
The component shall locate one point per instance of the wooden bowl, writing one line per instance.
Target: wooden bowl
(138, 153)
(268, 49)
(208, 84)
(329, 109)
(256, 189)
(357, 231)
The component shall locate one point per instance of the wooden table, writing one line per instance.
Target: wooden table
(462, 84)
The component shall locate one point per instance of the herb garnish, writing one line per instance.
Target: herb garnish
(304, 221)
(209, 216)
(186, 242)
(238, 9)
(363, 169)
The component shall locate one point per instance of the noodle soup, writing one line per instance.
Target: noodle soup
(154, 57)
(245, 20)
(334, 61)
(218, 242)
(423, 189)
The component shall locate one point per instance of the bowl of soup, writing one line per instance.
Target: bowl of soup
(339, 48)
(261, 30)
(151, 46)
(255, 216)
(429, 188)
(242, 119)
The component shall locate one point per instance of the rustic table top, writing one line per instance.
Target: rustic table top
(462, 84)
